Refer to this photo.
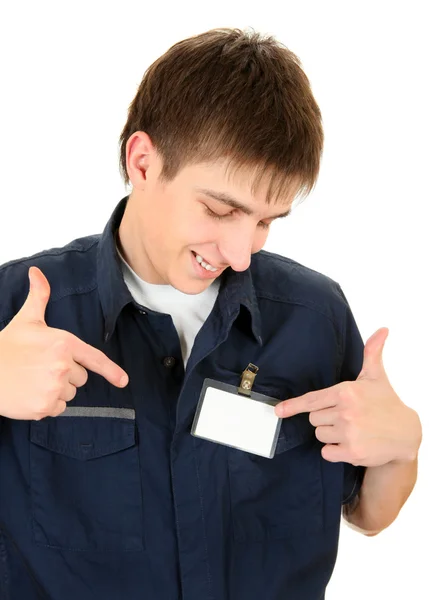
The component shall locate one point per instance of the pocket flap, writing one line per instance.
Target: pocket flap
(294, 431)
(86, 433)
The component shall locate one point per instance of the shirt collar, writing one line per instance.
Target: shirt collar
(236, 288)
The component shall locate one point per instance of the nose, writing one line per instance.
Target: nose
(237, 251)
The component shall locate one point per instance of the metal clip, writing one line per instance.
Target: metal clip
(247, 379)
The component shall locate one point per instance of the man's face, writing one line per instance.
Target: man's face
(177, 225)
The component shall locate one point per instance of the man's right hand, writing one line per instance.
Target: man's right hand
(41, 367)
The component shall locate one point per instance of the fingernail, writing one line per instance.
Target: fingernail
(124, 380)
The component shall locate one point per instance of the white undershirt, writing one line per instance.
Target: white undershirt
(188, 311)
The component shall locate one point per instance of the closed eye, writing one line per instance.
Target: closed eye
(230, 214)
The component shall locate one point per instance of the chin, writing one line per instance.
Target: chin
(191, 286)
(196, 288)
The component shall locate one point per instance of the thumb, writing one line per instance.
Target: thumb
(372, 367)
(34, 307)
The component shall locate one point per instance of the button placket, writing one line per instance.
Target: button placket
(169, 362)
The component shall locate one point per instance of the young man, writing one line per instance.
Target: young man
(105, 493)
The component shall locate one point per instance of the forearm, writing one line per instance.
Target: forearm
(384, 491)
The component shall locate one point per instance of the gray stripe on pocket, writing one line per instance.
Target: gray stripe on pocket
(98, 411)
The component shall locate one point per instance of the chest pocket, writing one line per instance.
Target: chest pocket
(85, 482)
(282, 497)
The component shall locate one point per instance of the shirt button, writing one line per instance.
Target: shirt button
(142, 312)
(169, 362)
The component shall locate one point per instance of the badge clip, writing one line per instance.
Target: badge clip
(247, 379)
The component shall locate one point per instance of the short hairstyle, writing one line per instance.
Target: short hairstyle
(233, 95)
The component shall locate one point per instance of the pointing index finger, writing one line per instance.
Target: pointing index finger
(95, 360)
(309, 402)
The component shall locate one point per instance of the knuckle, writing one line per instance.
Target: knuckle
(42, 411)
(100, 360)
(44, 408)
(310, 399)
(37, 416)
(346, 391)
(60, 367)
(347, 416)
(54, 391)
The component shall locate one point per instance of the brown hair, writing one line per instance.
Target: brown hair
(234, 95)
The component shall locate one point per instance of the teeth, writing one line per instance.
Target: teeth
(204, 264)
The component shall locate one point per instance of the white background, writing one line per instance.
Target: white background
(68, 73)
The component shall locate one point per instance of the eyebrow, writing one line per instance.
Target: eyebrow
(233, 203)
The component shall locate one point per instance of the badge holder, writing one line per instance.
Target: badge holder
(237, 416)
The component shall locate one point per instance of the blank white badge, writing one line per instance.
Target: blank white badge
(232, 419)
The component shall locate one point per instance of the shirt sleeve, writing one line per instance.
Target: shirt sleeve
(2, 326)
(350, 367)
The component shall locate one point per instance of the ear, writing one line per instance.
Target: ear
(139, 152)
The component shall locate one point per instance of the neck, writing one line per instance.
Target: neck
(129, 240)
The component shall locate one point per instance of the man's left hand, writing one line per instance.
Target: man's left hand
(362, 422)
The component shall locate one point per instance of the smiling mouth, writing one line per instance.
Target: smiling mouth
(204, 264)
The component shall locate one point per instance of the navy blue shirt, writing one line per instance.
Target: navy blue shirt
(115, 499)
